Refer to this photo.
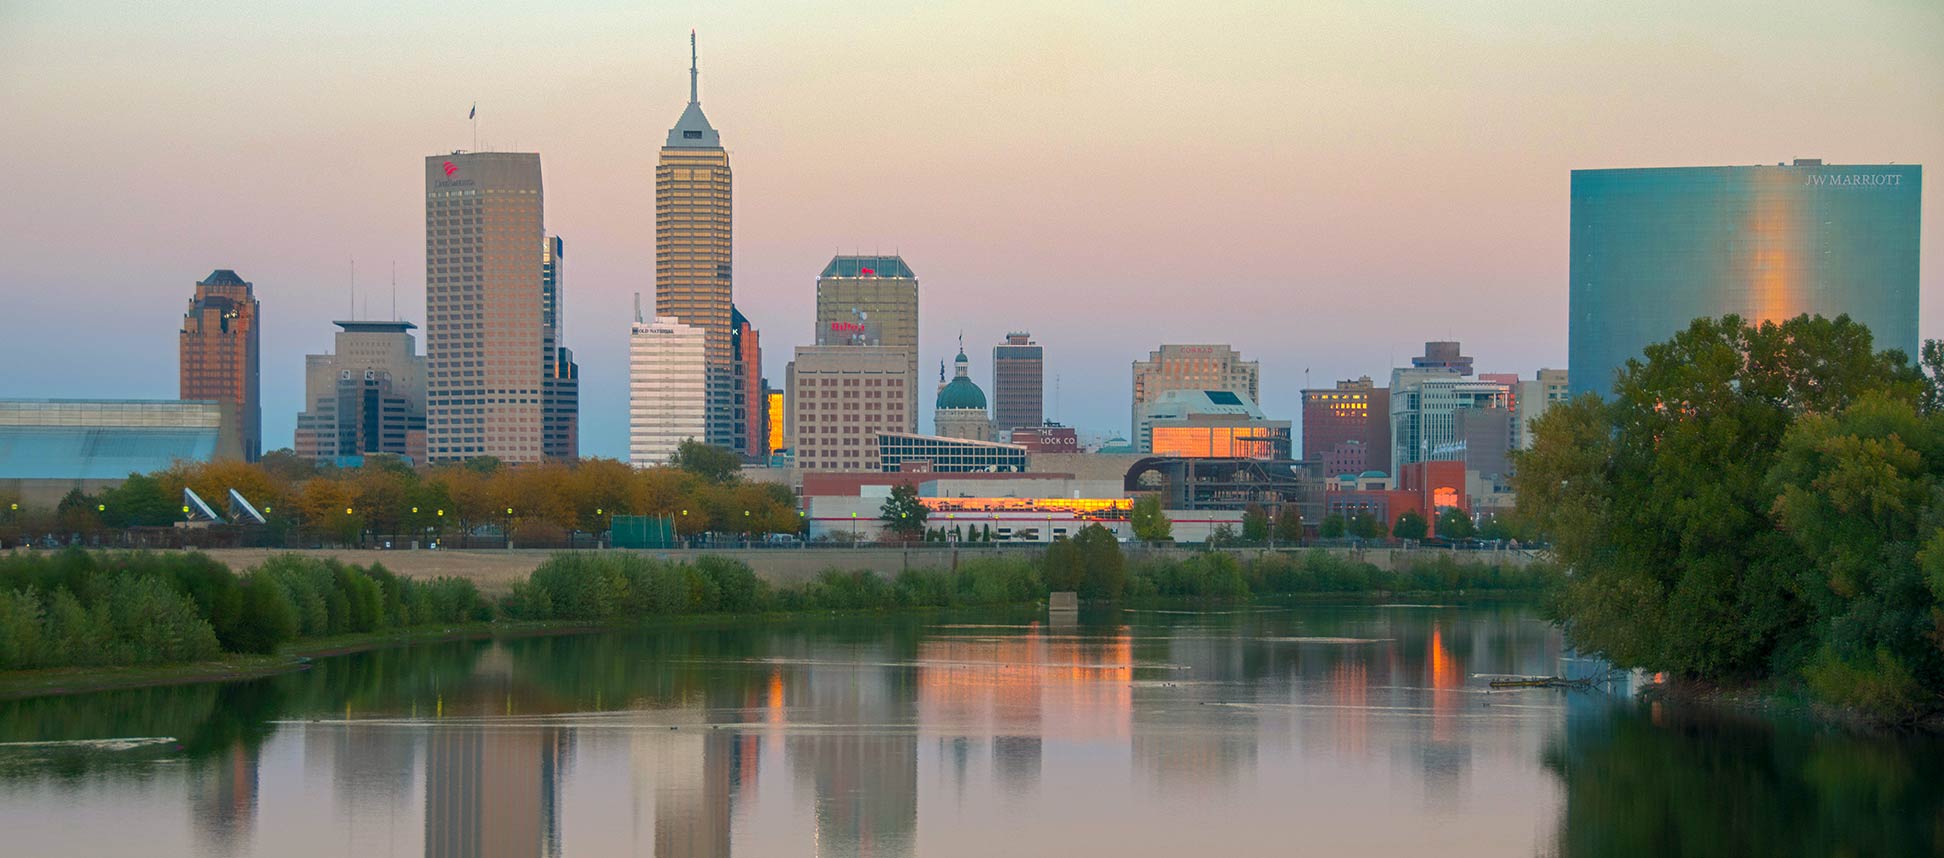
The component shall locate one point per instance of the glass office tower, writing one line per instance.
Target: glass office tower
(1653, 249)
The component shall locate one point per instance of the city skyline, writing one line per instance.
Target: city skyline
(1353, 216)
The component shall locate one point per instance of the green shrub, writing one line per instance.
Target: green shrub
(268, 619)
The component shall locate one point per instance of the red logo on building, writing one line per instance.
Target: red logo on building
(450, 170)
(847, 327)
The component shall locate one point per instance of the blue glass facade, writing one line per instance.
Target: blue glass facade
(71, 440)
(1654, 249)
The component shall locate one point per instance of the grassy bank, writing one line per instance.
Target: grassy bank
(77, 620)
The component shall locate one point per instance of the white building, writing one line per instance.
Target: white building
(667, 388)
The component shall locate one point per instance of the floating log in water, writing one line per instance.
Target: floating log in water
(1542, 682)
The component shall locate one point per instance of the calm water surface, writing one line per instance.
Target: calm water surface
(1364, 730)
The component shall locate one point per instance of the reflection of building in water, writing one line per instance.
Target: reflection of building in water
(492, 792)
(1016, 761)
(860, 754)
(223, 800)
(1027, 685)
(1201, 746)
(371, 765)
(694, 776)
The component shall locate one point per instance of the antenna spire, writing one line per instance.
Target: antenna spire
(693, 96)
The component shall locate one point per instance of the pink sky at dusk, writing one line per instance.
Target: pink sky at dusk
(1322, 185)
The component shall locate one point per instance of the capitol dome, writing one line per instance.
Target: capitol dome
(962, 392)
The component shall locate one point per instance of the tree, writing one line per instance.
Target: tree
(713, 464)
(1149, 523)
(1222, 535)
(139, 502)
(1090, 564)
(902, 513)
(1743, 508)
(1410, 525)
(1289, 525)
(1363, 525)
(1255, 525)
(1333, 526)
(1454, 523)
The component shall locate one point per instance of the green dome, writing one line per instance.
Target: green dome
(962, 393)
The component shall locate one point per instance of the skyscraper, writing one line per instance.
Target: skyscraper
(486, 332)
(872, 301)
(693, 264)
(560, 376)
(219, 359)
(1653, 249)
(1188, 367)
(667, 374)
(1018, 383)
(750, 409)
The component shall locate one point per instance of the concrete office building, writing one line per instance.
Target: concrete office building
(364, 414)
(560, 376)
(1654, 249)
(1189, 367)
(1533, 398)
(1018, 384)
(219, 357)
(386, 346)
(366, 396)
(838, 399)
(1424, 405)
(871, 301)
(694, 279)
(485, 325)
(1347, 427)
(667, 387)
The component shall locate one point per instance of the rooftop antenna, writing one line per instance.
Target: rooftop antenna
(394, 290)
(354, 288)
(694, 94)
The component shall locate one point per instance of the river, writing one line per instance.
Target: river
(1326, 730)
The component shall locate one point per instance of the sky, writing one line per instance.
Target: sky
(1323, 185)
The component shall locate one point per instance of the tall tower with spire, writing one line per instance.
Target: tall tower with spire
(693, 260)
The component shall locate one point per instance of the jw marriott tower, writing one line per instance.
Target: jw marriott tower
(693, 268)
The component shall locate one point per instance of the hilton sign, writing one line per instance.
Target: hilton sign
(847, 327)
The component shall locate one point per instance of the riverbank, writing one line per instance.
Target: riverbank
(1774, 699)
(80, 621)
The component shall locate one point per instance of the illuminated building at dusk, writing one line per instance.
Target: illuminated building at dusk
(220, 358)
(1189, 367)
(694, 279)
(1212, 424)
(871, 301)
(1347, 428)
(1654, 249)
(486, 337)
